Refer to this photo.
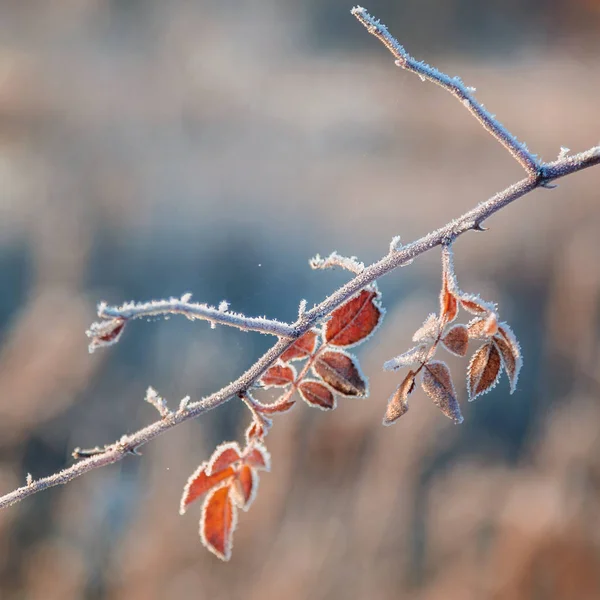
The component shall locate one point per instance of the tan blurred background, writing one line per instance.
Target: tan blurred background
(149, 148)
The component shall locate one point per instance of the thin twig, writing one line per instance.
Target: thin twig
(452, 84)
(545, 173)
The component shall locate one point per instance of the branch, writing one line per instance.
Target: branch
(109, 330)
(454, 85)
(540, 175)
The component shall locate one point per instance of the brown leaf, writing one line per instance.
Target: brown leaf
(448, 302)
(456, 340)
(355, 320)
(199, 483)
(428, 332)
(475, 305)
(218, 521)
(483, 371)
(316, 394)
(257, 456)
(476, 329)
(398, 402)
(490, 326)
(415, 355)
(437, 384)
(278, 376)
(510, 352)
(303, 347)
(244, 487)
(281, 405)
(340, 372)
(225, 455)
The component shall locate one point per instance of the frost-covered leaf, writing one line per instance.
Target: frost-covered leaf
(398, 402)
(510, 352)
(490, 325)
(484, 370)
(258, 430)
(415, 355)
(475, 305)
(456, 340)
(284, 403)
(429, 331)
(437, 384)
(351, 263)
(244, 487)
(476, 329)
(341, 372)
(355, 320)
(105, 333)
(225, 455)
(278, 376)
(303, 347)
(199, 483)
(218, 521)
(448, 303)
(257, 456)
(316, 394)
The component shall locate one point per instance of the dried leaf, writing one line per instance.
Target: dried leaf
(475, 305)
(340, 372)
(456, 340)
(476, 329)
(199, 483)
(355, 320)
(415, 355)
(303, 347)
(398, 402)
(225, 455)
(490, 326)
(256, 430)
(510, 352)
(429, 331)
(316, 394)
(437, 384)
(105, 333)
(278, 376)
(218, 521)
(448, 303)
(281, 405)
(257, 456)
(244, 487)
(484, 370)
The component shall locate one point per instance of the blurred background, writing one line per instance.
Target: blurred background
(151, 148)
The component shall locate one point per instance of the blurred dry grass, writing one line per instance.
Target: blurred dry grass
(147, 149)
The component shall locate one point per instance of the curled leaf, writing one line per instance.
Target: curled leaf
(448, 303)
(316, 394)
(199, 483)
(475, 305)
(218, 521)
(244, 487)
(456, 340)
(510, 352)
(341, 373)
(303, 347)
(437, 384)
(278, 376)
(415, 355)
(484, 370)
(355, 320)
(398, 402)
(105, 333)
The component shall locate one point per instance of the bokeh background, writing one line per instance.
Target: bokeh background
(151, 148)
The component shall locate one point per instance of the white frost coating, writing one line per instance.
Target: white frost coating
(301, 308)
(186, 297)
(563, 153)
(223, 306)
(395, 244)
(153, 398)
(29, 479)
(429, 331)
(184, 404)
(415, 355)
(350, 263)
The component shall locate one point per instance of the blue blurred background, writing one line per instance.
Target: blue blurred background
(153, 148)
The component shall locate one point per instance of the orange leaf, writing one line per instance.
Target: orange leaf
(437, 384)
(224, 456)
(302, 347)
(476, 329)
(218, 521)
(398, 403)
(316, 394)
(448, 303)
(278, 376)
(340, 372)
(244, 487)
(483, 371)
(510, 353)
(475, 305)
(355, 320)
(456, 340)
(281, 405)
(199, 483)
(257, 456)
